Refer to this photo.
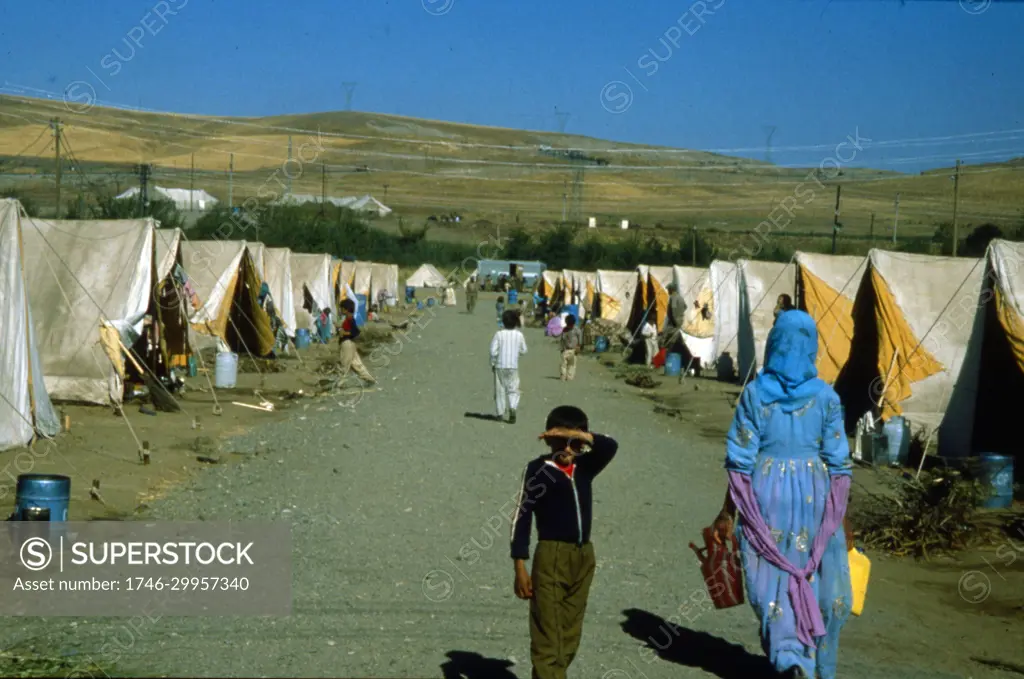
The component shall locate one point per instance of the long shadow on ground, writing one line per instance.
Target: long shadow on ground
(469, 665)
(483, 416)
(690, 648)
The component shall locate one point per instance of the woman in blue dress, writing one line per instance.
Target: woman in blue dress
(789, 479)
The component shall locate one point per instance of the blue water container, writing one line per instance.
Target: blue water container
(673, 364)
(897, 433)
(997, 477)
(361, 310)
(431, 301)
(226, 370)
(419, 305)
(302, 338)
(410, 293)
(513, 297)
(43, 491)
(601, 344)
(193, 366)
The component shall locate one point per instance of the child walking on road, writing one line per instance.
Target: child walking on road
(349, 357)
(499, 306)
(506, 347)
(556, 489)
(570, 342)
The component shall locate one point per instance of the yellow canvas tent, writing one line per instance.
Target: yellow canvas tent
(549, 285)
(913, 316)
(826, 288)
(615, 292)
(224, 276)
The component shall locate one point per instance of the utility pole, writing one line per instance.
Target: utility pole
(231, 181)
(565, 199)
(694, 246)
(192, 183)
(386, 191)
(144, 171)
(288, 163)
(323, 188)
(896, 219)
(56, 125)
(872, 231)
(835, 221)
(956, 204)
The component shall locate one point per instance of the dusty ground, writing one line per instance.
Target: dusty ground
(400, 557)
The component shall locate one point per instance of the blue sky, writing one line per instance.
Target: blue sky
(817, 70)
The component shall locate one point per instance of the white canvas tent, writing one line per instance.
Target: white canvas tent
(725, 291)
(168, 242)
(361, 278)
(370, 205)
(984, 409)
(761, 285)
(914, 315)
(312, 282)
(223, 274)
(550, 284)
(615, 291)
(278, 269)
(427, 276)
(25, 408)
(383, 279)
(183, 199)
(698, 332)
(90, 285)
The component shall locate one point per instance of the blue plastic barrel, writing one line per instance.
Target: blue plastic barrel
(897, 433)
(513, 297)
(419, 305)
(601, 344)
(45, 491)
(431, 301)
(361, 310)
(410, 293)
(673, 364)
(226, 371)
(997, 476)
(302, 338)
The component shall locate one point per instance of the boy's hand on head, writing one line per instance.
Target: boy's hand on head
(569, 434)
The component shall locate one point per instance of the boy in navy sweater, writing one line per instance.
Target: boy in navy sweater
(556, 489)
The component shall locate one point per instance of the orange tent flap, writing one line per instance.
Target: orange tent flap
(1013, 326)
(610, 306)
(913, 362)
(833, 314)
(259, 318)
(660, 303)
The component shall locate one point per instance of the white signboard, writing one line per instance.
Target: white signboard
(592, 223)
(625, 223)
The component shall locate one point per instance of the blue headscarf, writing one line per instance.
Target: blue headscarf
(790, 377)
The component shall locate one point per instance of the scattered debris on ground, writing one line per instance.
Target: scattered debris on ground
(934, 514)
(642, 379)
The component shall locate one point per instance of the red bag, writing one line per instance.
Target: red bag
(659, 358)
(722, 570)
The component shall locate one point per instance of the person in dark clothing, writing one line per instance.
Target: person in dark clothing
(556, 491)
(782, 304)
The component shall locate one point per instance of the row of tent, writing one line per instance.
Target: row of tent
(87, 305)
(939, 340)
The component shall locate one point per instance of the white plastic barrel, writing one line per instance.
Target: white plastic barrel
(226, 371)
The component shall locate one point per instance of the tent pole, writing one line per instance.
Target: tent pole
(28, 328)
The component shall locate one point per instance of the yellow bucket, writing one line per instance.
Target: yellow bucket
(860, 571)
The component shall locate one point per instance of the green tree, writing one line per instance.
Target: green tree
(164, 211)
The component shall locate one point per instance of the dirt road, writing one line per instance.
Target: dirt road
(399, 511)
